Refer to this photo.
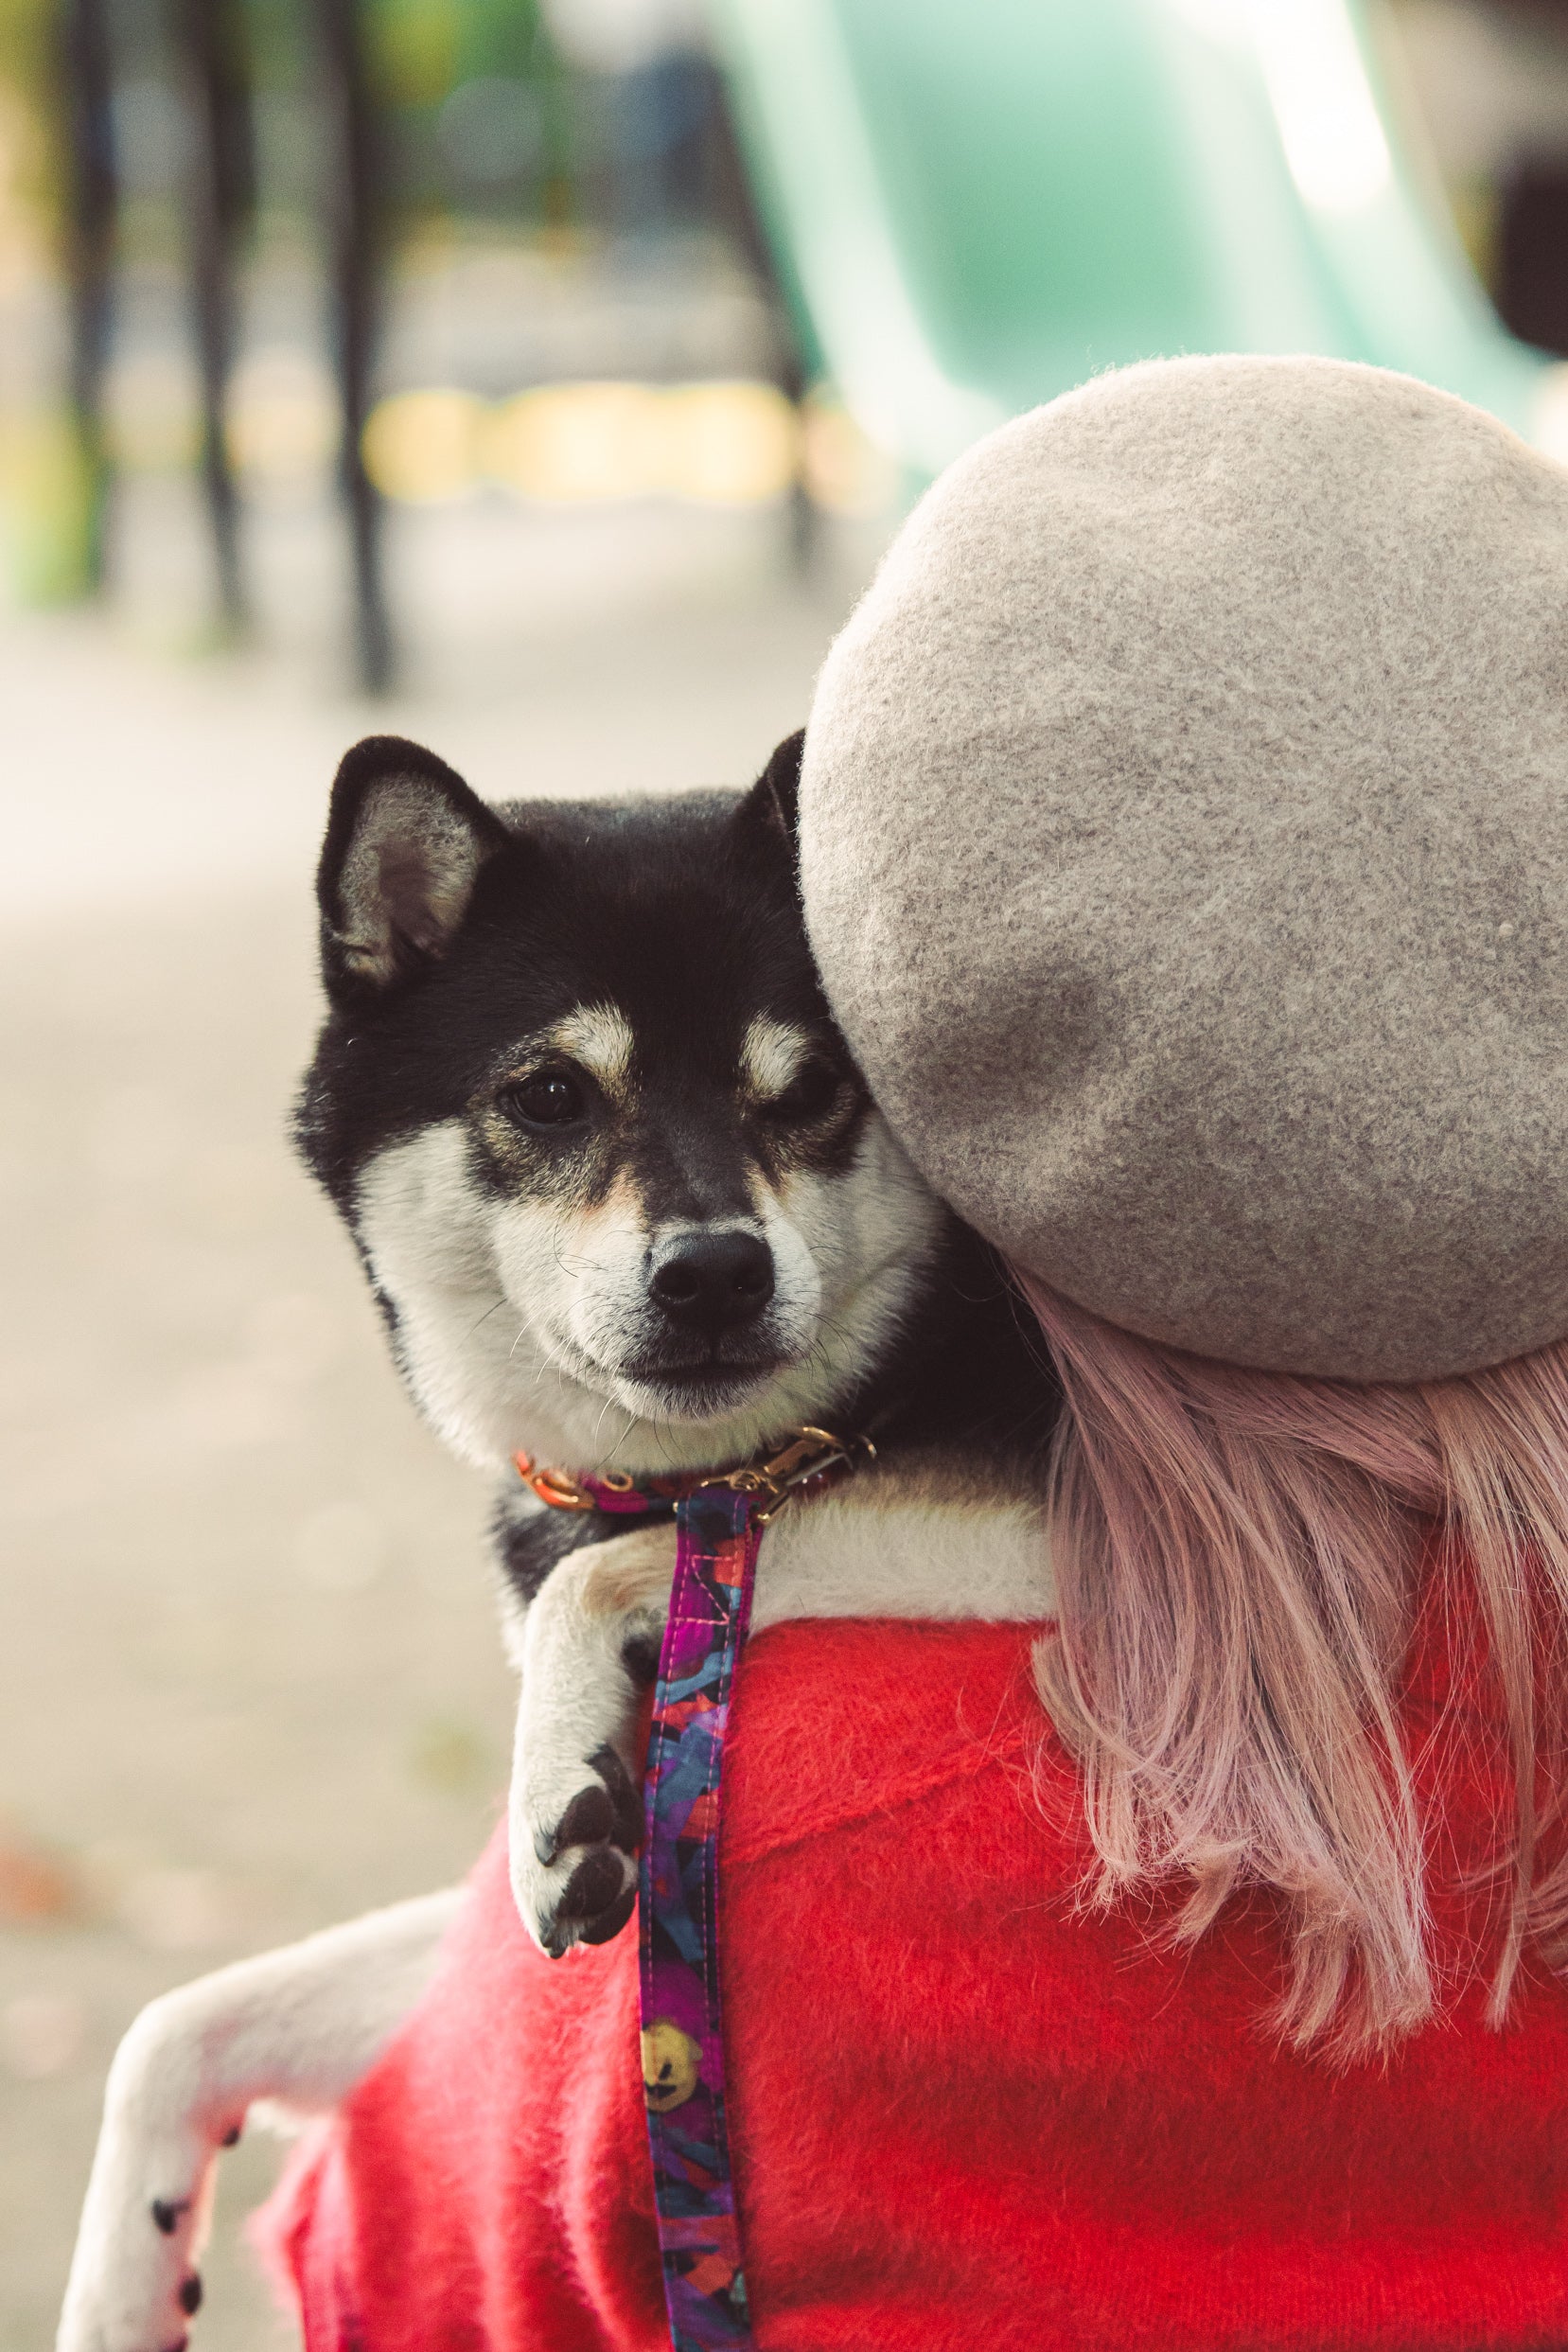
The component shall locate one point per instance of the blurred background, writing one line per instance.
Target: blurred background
(540, 378)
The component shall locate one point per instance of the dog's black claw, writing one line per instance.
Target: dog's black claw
(587, 1820)
(626, 1797)
(166, 2212)
(592, 1887)
(591, 1898)
(190, 2294)
(605, 1929)
(230, 2139)
(610, 1814)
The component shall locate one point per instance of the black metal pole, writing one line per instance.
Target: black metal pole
(355, 229)
(211, 38)
(91, 208)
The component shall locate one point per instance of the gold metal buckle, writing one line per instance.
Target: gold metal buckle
(809, 1454)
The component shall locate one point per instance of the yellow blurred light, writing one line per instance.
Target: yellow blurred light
(424, 447)
(282, 421)
(843, 470)
(724, 444)
(730, 444)
(570, 442)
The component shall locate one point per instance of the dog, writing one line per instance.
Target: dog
(625, 1205)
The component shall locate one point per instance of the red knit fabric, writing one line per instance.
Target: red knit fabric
(962, 2115)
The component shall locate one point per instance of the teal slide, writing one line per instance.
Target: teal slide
(977, 203)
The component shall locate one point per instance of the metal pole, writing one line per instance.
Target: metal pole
(211, 38)
(355, 224)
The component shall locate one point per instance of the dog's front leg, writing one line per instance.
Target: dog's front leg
(300, 2025)
(587, 1646)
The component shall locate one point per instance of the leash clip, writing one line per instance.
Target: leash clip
(811, 1454)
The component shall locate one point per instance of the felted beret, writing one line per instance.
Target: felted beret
(1185, 847)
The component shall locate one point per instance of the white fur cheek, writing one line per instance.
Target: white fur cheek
(480, 1373)
(854, 1226)
(797, 1307)
(606, 1252)
(534, 1268)
(865, 1237)
(416, 1215)
(896, 1216)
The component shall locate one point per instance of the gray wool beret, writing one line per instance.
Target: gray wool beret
(1185, 847)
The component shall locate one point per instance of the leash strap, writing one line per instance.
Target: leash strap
(719, 1520)
(718, 1532)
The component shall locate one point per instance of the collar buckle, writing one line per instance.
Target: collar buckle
(811, 1454)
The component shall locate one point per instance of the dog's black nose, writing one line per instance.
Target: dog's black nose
(710, 1282)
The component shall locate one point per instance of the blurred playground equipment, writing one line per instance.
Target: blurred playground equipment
(942, 216)
(189, 133)
(976, 208)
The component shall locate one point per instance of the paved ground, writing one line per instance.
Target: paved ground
(249, 1679)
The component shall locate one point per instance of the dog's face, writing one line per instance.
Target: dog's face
(614, 1177)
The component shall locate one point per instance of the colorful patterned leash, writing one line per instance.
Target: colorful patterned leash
(718, 1526)
(694, 2187)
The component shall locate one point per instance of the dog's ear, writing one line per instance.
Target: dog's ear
(405, 843)
(771, 810)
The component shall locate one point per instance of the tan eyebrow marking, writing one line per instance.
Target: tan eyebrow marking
(599, 1037)
(770, 1056)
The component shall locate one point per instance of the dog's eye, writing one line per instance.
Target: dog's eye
(812, 1091)
(550, 1098)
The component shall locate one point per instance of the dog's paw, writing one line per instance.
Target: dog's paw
(576, 1828)
(135, 2285)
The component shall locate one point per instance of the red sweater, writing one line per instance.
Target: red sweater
(962, 2115)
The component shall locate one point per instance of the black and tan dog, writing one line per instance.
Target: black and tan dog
(627, 1206)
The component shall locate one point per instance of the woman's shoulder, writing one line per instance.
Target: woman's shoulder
(842, 1723)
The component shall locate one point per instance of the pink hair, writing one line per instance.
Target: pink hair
(1237, 1556)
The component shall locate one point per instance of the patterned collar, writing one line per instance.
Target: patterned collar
(810, 1459)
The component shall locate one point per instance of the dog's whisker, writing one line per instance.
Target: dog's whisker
(627, 1427)
(555, 1358)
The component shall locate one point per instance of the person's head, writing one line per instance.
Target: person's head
(1186, 852)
